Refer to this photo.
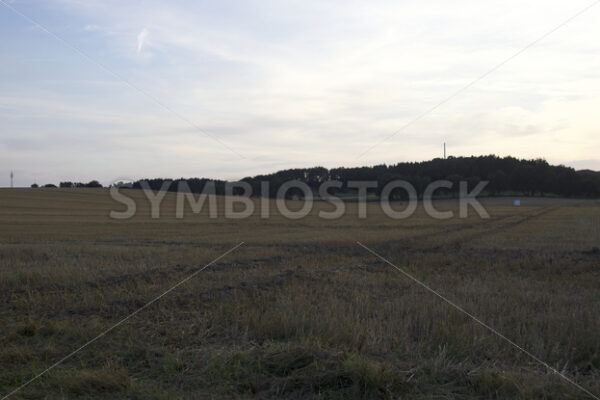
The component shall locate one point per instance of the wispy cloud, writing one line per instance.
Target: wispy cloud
(141, 39)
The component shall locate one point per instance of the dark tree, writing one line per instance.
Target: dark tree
(93, 184)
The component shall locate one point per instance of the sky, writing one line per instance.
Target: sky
(113, 90)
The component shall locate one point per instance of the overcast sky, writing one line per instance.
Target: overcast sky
(283, 84)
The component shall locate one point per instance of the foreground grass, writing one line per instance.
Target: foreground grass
(300, 311)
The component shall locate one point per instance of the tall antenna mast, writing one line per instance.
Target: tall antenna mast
(444, 150)
(12, 175)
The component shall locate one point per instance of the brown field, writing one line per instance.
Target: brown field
(300, 310)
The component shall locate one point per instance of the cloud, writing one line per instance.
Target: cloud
(91, 28)
(141, 40)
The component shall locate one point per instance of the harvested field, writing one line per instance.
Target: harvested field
(300, 310)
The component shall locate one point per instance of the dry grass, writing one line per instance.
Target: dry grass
(300, 311)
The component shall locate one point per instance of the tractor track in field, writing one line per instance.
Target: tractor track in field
(493, 225)
(511, 224)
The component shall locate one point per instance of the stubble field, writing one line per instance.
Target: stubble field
(300, 310)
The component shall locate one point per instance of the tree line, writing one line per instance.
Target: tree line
(506, 176)
(91, 184)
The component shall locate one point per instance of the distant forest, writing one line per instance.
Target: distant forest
(506, 176)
